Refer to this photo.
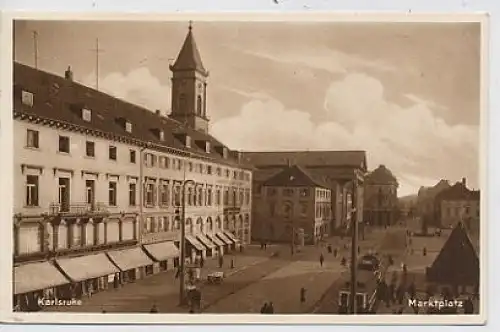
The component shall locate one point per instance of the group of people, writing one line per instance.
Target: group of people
(267, 308)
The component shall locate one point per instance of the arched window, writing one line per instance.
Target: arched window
(219, 223)
(189, 225)
(210, 224)
(182, 102)
(199, 106)
(287, 210)
(199, 224)
(166, 224)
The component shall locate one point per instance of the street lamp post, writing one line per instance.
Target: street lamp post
(354, 247)
(182, 245)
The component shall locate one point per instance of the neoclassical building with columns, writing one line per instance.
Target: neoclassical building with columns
(99, 181)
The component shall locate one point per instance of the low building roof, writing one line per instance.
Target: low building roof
(294, 176)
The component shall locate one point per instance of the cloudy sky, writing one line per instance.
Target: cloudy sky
(407, 93)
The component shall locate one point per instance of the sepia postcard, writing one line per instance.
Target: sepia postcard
(303, 168)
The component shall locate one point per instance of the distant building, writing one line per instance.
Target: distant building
(336, 169)
(459, 204)
(290, 200)
(381, 197)
(407, 206)
(426, 208)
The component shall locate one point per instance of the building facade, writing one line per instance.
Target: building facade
(290, 201)
(381, 197)
(342, 171)
(426, 207)
(458, 204)
(99, 182)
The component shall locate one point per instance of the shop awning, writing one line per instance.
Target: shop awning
(194, 242)
(216, 240)
(206, 241)
(37, 276)
(128, 259)
(87, 267)
(163, 250)
(224, 238)
(231, 236)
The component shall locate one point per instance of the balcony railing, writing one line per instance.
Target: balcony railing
(78, 208)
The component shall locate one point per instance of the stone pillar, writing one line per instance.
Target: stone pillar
(55, 234)
(42, 235)
(17, 238)
(105, 232)
(83, 232)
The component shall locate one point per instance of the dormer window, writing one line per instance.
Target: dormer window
(160, 134)
(224, 152)
(188, 141)
(86, 115)
(128, 126)
(207, 147)
(27, 98)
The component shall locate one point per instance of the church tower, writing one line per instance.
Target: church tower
(189, 86)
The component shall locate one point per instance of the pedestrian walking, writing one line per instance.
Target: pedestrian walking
(359, 249)
(178, 273)
(321, 259)
(154, 309)
(264, 308)
(391, 293)
(265, 245)
(302, 295)
(400, 294)
(335, 252)
(468, 307)
(330, 250)
(270, 308)
(221, 262)
(343, 262)
(232, 263)
(202, 262)
(412, 291)
(424, 251)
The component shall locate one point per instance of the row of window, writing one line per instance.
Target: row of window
(459, 211)
(291, 192)
(170, 224)
(169, 194)
(287, 210)
(150, 160)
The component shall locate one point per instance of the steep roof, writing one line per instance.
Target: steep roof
(353, 159)
(381, 175)
(189, 57)
(294, 176)
(55, 98)
(457, 262)
(431, 192)
(458, 192)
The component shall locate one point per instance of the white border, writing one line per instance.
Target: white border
(6, 134)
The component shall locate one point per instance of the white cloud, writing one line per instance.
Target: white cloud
(323, 59)
(138, 86)
(417, 146)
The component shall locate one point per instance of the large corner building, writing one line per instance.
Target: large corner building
(98, 183)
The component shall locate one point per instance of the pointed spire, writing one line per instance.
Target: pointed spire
(189, 57)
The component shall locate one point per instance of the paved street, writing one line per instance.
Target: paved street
(255, 279)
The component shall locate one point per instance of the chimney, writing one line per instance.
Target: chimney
(464, 182)
(158, 112)
(68, 74)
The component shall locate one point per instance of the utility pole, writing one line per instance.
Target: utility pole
(354, 246)
(35, 48)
